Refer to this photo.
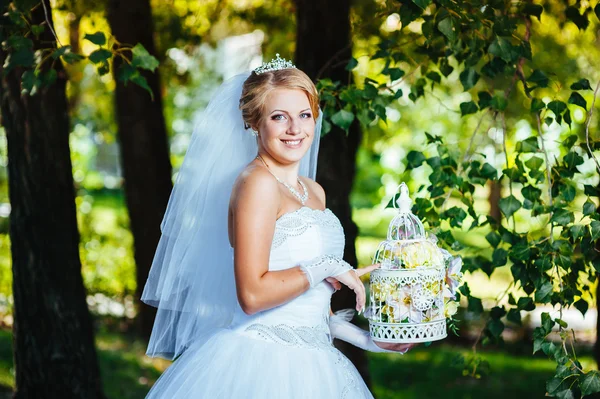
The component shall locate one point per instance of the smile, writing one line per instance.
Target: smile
(293, 143)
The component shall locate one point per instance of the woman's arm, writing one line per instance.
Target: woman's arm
(255, 203)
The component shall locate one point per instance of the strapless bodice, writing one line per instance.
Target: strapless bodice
(301, 235)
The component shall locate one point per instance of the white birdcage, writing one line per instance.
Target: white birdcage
(407, 291)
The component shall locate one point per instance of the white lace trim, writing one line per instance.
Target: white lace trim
(295, 223)
(316, 337)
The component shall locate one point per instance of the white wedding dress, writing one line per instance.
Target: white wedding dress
(281, 353)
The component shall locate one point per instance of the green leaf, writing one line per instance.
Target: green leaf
(100, 55)
(534, 163)
(567, 118)
(19, 58)
(448, 29)
(485, 99)
(422, 3)
(509, 205)
(562, 217)
(493, 238)
(499, 102)
(590, 382)
(530, 144)
(343, 119)
(495, 327)
(143, 59)
(489, 172)
(97, 38)
(28, 81)
(141, 81)
(558, 107)
(572, 13)
(582, 306)
(501, 47)
(37, 29)
(595, 228)
(514, 316)
(525, 303)
(577, 99)
(589, 207)
(533, 9)
(434, 76)
(569, 141)
(468, 108)
(352, 64)
(520, 252)
(576, 231)
(125, 72)
(72, 58)
(547, 322)
(542, 294)
(475, 305)
(415, 159)
(538, 77)
(572, 160)
(499, 257)
(537, 104)
(597, 10)
(568, 192)
(581, 84)
(468, 78)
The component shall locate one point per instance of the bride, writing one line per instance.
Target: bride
(250, 255)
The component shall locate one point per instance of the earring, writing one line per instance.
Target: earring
(254, 132)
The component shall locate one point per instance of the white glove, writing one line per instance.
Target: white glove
(341, 328)
(321, 267)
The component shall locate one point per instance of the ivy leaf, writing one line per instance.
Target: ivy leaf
(590, 383)
(20, 58)
(577, 99)
(509, 205)
(351, 64)
(595, 228)
(568, 192)
(143, 59)
(415, 159)
(569, 141)
(533, 9)
(525, 303)
(542, 294)
(572, 160)
(581, 84)
(434, 76)
(395, 73)
(530, 144)
(343, 119)
(538, 77)
(100, 55)
(422, 3)
(485, 99)
(514, 316)
(448, 29)
(475, 305)
(537, 105)
(468, 78)
(597, 10)
(567, 118)
(558, 107)
(97, 38)
(576, 231)
(578, 19)
(468, 108)
(582, 306)
(493, 238)
(589, 207)
(562, 217)
(534, 163)
(142, 82)
(499, 257)
(501, 47)
(495, 327)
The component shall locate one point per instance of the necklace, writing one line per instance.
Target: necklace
(302, 198)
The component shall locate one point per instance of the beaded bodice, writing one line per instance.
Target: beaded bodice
(301, 235)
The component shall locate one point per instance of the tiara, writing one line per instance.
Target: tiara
(274, 65)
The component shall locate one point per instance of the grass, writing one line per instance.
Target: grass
(425, 372)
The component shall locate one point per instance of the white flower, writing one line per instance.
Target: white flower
(453, 277)
(451, 308)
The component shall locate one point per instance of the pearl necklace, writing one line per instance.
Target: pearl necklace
(302, 198)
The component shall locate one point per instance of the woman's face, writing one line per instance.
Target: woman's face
(287, 128)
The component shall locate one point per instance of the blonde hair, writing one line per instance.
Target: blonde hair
(257, 88)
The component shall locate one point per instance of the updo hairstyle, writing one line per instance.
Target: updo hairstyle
(257, 88)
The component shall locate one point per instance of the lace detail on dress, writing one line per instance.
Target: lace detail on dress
(317, 337)
(297, 222)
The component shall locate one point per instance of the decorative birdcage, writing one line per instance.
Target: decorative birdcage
(409, 292)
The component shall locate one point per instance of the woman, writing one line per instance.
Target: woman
(243, 286)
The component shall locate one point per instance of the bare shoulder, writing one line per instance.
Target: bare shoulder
(255, 184)
(315, 188)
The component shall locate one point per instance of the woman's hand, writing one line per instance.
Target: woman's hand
(351, 279)
(391, 346)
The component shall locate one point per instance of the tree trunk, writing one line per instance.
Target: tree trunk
(323, 48)
(144, 147)
(53, 338)
(494, 199)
